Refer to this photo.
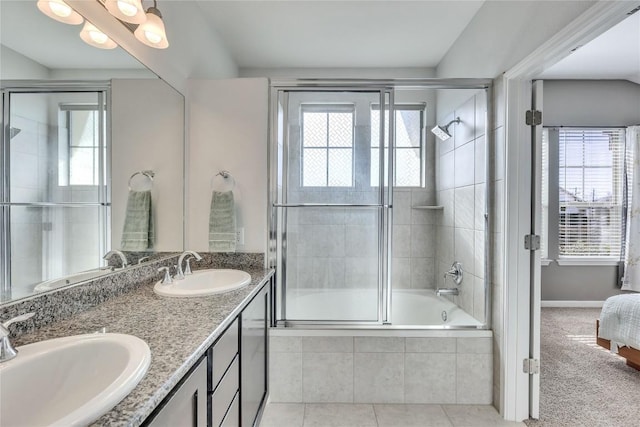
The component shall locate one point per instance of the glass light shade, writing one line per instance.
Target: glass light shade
(60, 11)
(91, 35)
(127, 10)
(152, 32)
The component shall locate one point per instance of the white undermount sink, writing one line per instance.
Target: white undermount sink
(204, 282)
(70, 381)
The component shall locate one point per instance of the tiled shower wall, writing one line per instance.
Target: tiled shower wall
(376, 369)
(460, 189)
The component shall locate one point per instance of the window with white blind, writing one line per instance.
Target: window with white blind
(327, 146)
(590, 192)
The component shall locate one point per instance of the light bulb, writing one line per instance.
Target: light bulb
(152, 32)
(152, 37)
(91, 35)
(127, 8)
(60, 11)
(98, 37)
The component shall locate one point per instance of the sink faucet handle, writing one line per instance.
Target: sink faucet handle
(20, 318)
(167, 275)
(188, 269)
(7, 351)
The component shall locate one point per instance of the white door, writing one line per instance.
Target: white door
(536, 229)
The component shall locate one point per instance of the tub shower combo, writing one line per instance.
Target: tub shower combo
(378, 231)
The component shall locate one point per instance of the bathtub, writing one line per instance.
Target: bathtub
(413, 308)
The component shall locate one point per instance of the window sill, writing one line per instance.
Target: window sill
(545, 262)
(587, 261)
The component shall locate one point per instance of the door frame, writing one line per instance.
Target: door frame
(516, 272)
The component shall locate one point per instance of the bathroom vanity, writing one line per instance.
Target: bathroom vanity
(208, 354)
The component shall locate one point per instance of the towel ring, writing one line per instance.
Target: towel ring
(226, 182)
(148, 174)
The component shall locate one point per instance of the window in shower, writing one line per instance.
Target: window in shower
(409, 149)
(79, 156)
(327, 145)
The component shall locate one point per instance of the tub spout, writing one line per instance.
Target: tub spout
(447, 291)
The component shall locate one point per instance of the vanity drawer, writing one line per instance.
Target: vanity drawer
(232, 419)
(224, 350)
(223, 395)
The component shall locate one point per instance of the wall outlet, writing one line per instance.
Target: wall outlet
(240, 236)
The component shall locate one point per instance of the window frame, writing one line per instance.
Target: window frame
(421, 107)
(327, 109)
(555, 205)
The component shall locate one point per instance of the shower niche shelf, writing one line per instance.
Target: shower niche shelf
(428, 207)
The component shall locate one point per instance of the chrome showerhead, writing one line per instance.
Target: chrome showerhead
(443, 132)
(13, 132)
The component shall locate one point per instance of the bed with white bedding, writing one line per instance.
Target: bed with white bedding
(618, 328)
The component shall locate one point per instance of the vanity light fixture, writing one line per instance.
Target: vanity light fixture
(91, 35)
(127, 10)
(152, 32)
(60, 11)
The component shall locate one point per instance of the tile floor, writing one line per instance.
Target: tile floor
(380, 415)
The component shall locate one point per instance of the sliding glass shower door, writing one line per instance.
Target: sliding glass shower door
(332, 204)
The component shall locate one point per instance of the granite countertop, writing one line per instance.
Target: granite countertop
(177, 330)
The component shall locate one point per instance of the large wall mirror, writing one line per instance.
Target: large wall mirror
(92, 156)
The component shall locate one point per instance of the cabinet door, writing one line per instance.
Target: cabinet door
(253, 357)
(187, 407)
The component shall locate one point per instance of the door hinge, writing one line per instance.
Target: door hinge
(531, 366)
(533, 117)
(532, 242)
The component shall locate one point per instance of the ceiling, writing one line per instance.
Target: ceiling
(299, 34)
(55, 45)
(613, 55)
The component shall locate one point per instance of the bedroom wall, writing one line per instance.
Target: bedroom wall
(584, 103)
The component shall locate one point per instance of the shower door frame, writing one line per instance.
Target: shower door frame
(8, 87)
(383, 86)
(385, 96)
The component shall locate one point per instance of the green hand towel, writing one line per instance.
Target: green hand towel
(222, 222)
(139, 230)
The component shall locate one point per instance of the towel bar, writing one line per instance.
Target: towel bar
(149, 174)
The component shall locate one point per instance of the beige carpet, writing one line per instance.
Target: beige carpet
(582, 384)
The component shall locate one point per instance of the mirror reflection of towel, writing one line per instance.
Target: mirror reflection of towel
(138, 233)
(222, 222)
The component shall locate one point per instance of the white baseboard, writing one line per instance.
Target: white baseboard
(574, 304)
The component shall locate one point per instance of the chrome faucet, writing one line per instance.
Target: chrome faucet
(109, 254)
(447, 291)
(455, 273)
(167, 275)
(7, 351)
(179, 272)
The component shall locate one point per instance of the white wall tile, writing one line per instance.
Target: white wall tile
(464, 164)
(446, 171)
(379, 344)
(430, 345)
(401, 273)
(481, 113)
(423, 273)
(466, 129)
(446, 200)
(379, 378)
(478, 253)
(464, 199)
(327, 377)
(470, 345)
(401, 241)
(423, 238)
(281, 344)
(285, 377)
(479, 209)
(463, 249)
(312, 344)
(401, 207)
(430, 378)
(474, 379)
